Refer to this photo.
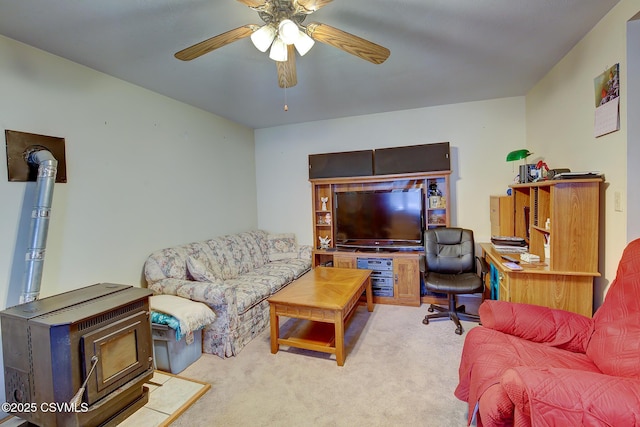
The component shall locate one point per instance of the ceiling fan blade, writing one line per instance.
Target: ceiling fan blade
(287, 69)
(253, 3)
(313, 5)
(216, 42)
(348, 42)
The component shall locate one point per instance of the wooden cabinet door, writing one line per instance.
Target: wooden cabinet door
(344, 261)
(406, 276)
(504, 290)
(501, 215)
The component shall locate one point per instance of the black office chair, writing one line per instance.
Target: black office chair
(451, 269)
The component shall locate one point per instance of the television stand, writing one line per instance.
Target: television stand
(405, 271)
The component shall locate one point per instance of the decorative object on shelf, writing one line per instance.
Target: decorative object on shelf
(433, 190)
(324, 242)
(324, 201)
(321, 220)
(437, 219)
(547, 247)
(435, 196)
(543, 170)
(327, 218)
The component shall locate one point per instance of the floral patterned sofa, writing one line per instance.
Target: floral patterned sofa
(232, 274)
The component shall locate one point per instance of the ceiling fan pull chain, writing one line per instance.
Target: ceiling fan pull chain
(286, 107)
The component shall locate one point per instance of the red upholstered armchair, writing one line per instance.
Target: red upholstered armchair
(531, 365)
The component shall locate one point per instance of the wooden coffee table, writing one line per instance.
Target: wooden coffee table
(323, 296)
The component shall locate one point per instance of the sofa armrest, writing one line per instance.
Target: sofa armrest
(557, 328)
(304, 251)
(560, 396)
(210, 293)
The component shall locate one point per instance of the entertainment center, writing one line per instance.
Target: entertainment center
(394, 253)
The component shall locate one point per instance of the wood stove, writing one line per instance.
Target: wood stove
(96, 338)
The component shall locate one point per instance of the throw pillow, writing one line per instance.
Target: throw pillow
(199, 271)
(282, 246)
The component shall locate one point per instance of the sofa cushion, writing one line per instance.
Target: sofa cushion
(282, 246)
(257, 285)
(199, 271)
(249, 292)
(277, 274)
(236, 254)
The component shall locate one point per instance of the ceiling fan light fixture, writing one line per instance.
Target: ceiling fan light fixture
(278, 50)
(288, 31)
(263, 37)
(304, 43)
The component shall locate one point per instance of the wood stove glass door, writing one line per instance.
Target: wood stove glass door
(124, 351)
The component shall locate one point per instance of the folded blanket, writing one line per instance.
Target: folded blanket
(191, 315)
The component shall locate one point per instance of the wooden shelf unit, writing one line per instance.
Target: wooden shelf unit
(322, 228)
(573, 209)
(564, 278)
(406, 268)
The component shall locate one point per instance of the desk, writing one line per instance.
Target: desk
(537, 284)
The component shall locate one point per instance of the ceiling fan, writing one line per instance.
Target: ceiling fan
(284, 33)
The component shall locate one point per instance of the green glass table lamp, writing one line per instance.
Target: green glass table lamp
(518, 155)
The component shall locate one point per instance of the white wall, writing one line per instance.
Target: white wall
(560, 120)
(633, 135)
(480, 134)
(144, 172)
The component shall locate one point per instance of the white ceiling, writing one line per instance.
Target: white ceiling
(442, 51)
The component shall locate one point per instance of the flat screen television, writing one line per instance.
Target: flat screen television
(379, 219)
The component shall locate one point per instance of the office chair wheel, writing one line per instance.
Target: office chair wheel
(430, 309)
(425, 321)
(459, 330)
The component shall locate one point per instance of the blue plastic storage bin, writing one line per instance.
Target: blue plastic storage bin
(171, 355)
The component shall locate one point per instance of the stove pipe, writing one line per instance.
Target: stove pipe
(47, 169)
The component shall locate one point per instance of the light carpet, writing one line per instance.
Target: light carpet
(398, 372)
